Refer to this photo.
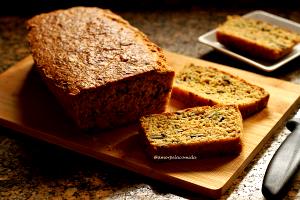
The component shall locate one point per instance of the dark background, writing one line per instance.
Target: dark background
(28, 7)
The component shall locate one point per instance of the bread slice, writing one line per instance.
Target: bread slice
(256, 37)
(193, 133)
(199, 85)
(103, 71)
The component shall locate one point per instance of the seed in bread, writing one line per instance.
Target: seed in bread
(198, 132)
(256, 37)
(102, 70)
(200, 85)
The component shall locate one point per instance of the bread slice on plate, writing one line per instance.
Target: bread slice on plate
(200, 85)
(193, 133)
(257, 38)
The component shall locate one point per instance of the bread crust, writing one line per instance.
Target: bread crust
(85, 54)
(71, 46)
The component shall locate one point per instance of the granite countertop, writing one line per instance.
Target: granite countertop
(31, 169)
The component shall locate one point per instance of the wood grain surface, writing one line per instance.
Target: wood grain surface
(28, 107)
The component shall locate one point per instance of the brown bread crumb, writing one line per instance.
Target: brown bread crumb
(199, 132)
(256, 37)
(199, 85)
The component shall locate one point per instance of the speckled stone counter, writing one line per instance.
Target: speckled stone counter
(31, 169)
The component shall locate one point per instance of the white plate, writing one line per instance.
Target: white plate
(210, 39)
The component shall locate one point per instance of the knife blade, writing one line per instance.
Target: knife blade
(284, 163)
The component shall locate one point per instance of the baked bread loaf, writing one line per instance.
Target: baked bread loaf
(257, 38)
(103, 71)
(199, 85)
(193, 133)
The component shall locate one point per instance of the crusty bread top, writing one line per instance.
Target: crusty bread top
(193, 125)
(84, 47)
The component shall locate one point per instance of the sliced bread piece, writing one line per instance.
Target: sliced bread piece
(199, 85)
(193, 133)
(256, 37)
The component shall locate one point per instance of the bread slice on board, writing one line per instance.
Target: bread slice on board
(257, 38)
(199, 85)
(193, 133)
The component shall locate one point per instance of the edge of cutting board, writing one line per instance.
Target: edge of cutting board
(146, 167)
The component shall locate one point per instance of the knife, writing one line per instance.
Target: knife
(284, 164)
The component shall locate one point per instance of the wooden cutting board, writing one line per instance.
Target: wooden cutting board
(27, 106)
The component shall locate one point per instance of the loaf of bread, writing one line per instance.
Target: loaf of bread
(103, 71)
(257, 38)
(199, 85)
(193, 133)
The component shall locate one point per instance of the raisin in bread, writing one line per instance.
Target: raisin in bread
(197, 132)
(256, 37)
(199, 85)
(103, 71)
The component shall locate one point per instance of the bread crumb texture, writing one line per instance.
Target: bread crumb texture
(256, 36)
(208, 85)
(195, 125)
